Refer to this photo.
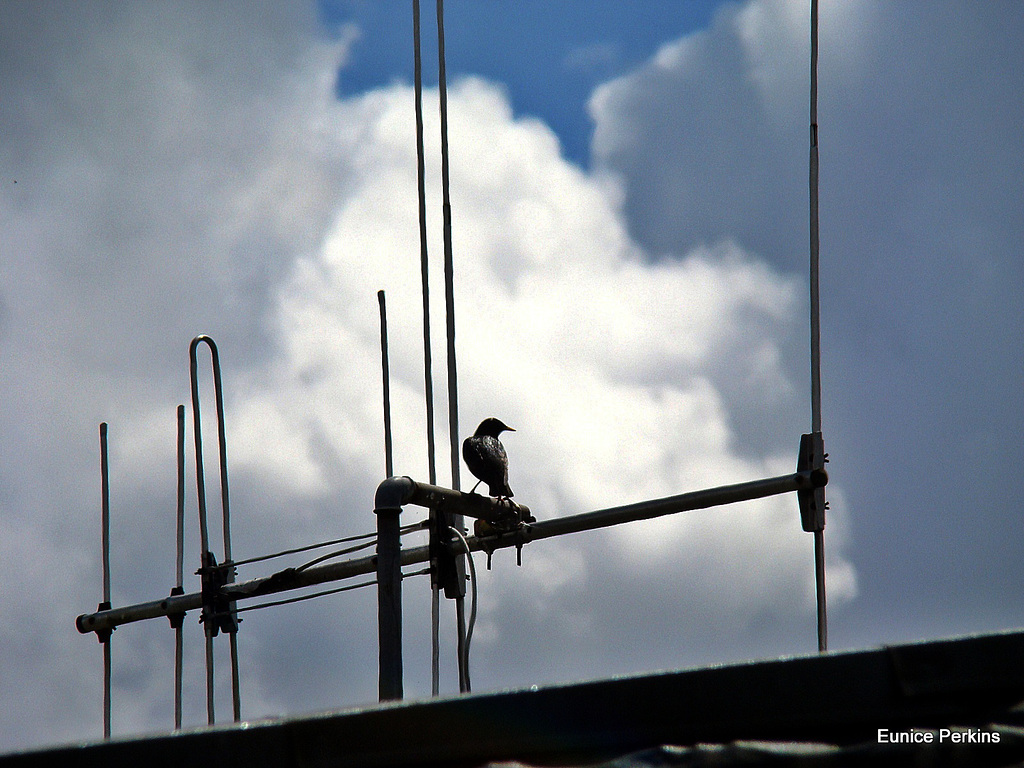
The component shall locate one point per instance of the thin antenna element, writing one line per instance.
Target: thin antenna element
(389, 466)
(105, 510)
(179, 570)
(105, 546)
(201, 491)
(446, 208)
(428, 379)
(819, 535)
(179, 585)
(815, 301)
(453, 393)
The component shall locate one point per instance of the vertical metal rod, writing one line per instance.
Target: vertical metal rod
(389, 612)
(105, 510)
(225, 507)
(428, 380)
(236, 692)
(819, 584)
(106, 688)
(463, 657)
(197, 433)
(179, 571)
(210, 715)
(814, 232)
(389, 467)
(179, 565)
(819, 536)
(389, 604)
(453, 394)
(105, 546)
(204, 536)
(435, 638)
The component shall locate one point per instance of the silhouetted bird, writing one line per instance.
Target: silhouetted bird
(485, 456)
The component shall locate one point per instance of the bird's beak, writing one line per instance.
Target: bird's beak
(510, 429)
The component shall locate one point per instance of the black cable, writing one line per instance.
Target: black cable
(323, 593)
(331, 543)
(464, 660)
(307, 597)
(339, 553)
(349, 550)
(404, 530)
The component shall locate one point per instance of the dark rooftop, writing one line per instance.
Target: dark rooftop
(958, 701)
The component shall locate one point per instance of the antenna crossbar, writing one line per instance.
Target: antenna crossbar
(423, 494)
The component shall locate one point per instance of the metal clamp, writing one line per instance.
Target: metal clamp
(516, 525)
(176, 619)
(103, 635)
(218, 613)
(812, 458)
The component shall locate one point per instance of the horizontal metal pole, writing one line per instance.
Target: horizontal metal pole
(291, 579)
(670, 505)
(400, 491)
(282, 581)
(111, 618)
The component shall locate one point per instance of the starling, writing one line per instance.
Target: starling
(486, 459)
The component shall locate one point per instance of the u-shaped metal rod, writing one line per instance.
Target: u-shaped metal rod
(225, 508)
(198, 433)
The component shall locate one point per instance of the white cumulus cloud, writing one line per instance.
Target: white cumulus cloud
(611, 367)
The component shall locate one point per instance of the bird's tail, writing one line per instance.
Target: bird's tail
(498, 491)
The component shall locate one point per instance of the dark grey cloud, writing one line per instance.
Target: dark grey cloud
(922, 167)
(700, 144)
(158, 194)
(138, 123)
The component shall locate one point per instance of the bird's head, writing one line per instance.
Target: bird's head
(492, 427)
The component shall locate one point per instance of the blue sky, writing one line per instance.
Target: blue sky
(629, 194)
(548, 55)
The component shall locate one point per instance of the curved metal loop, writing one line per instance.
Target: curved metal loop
(207, 555)
(198, 433)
